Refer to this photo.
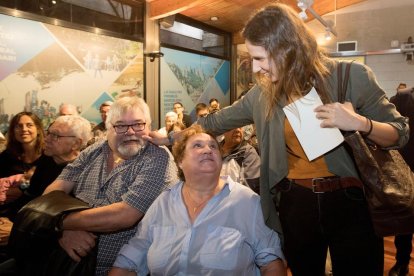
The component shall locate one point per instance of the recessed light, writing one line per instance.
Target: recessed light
(214, 18)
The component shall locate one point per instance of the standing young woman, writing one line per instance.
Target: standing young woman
(288, 63)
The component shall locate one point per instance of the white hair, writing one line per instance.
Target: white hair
(80, 127)
(72, 109)
(125, 104)
(171, 114)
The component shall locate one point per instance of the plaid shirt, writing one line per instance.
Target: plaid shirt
(137, 182)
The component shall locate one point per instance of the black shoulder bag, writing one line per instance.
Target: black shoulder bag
(34, 243)
(388, 180)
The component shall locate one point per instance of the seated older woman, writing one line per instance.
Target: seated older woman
(204, 225)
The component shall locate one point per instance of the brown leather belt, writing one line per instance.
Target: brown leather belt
(328, 184)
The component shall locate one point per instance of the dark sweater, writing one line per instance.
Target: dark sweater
(46, 172)
(10, 165)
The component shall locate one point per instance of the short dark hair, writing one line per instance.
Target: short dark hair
(200, 106)
(178, 103)
(213, 100)
(105, 103)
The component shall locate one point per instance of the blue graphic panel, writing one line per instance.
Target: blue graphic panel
(20, 41)
(190, 79)
(223, 77)
(92, 113)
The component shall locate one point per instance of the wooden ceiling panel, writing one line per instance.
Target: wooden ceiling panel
(232, 14)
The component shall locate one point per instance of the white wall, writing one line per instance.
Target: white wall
(374, 24)
(390, 70)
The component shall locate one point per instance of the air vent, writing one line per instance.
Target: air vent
(346, 46)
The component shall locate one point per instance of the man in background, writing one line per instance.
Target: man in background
(99, 131)
(68, 109)
(201, 110)
(240, 160)
(182, 117)
(214, 105)
(404, 102)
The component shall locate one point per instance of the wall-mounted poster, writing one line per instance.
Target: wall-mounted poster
(43, 66)
(190, 79)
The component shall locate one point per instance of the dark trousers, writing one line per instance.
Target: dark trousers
(403, 244)
(339, 220)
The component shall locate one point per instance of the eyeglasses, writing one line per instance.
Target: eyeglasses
(55, 137)
(122, 129)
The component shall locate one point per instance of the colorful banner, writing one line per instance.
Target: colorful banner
(190, 79)
(43, 66)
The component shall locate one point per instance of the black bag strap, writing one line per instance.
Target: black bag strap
(343, 85)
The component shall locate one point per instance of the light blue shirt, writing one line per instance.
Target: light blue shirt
(228, 237)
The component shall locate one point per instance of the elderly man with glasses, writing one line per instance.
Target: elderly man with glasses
(120, 178)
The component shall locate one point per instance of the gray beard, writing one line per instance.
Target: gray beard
(129, 151)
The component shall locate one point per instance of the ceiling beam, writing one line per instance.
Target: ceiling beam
(163, 8)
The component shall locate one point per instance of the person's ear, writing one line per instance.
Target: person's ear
(77, 145)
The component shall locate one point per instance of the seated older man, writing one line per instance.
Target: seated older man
(120, 178)
(240, 160)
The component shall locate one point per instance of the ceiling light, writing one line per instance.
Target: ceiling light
(328, 35)
(214, 18)
(306, 5)
(303, 15)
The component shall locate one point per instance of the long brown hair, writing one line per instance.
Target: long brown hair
(14, 146)
(300, 63)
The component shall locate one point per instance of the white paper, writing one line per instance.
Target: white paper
(315, 140)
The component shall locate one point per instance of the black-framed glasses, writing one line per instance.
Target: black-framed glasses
(55, 137)
(122, 129)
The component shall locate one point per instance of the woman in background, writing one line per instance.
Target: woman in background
(24, 149)
(24, 144)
